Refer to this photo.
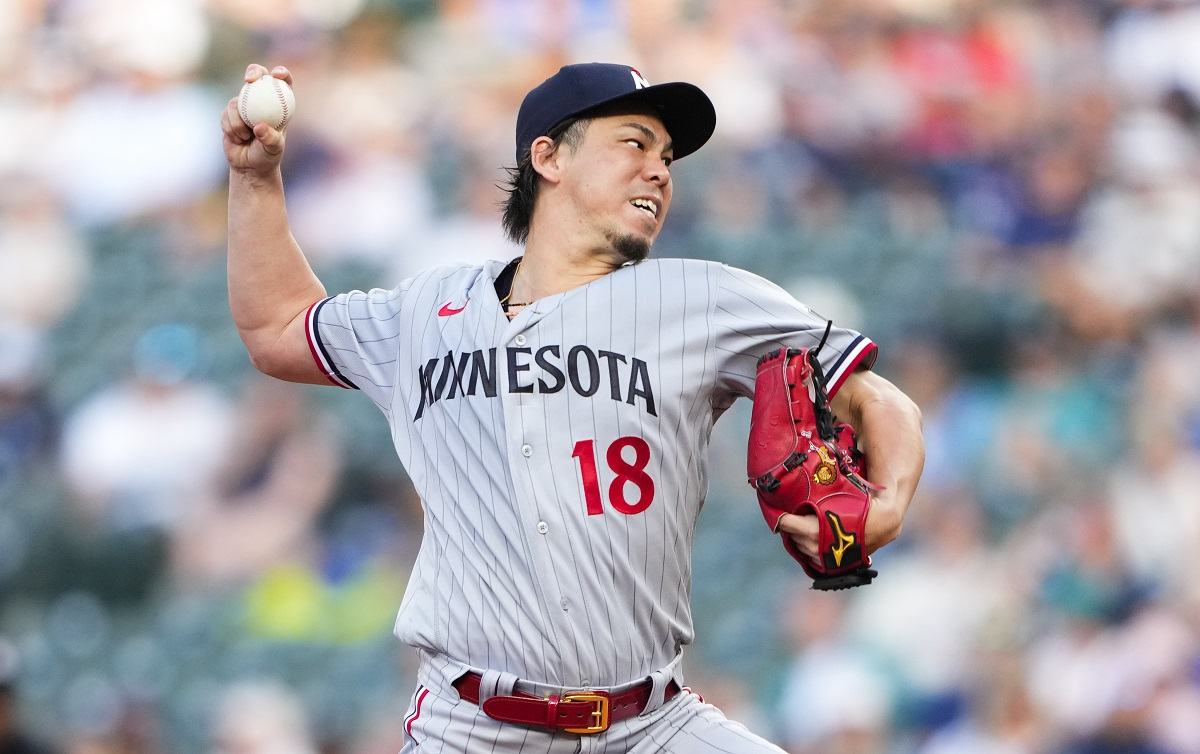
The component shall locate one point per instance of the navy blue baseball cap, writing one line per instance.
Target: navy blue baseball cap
(583, 88)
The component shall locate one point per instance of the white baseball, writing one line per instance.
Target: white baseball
(268, 100)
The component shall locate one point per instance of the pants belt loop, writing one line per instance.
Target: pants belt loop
(496, 683)
(659, 678)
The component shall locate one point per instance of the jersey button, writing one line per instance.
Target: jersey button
(526, 450)
(565, 607)
(543, 527)
(519, 340)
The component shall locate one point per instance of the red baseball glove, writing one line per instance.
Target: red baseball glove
(802, 460)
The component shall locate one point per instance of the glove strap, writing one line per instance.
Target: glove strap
(860, 577)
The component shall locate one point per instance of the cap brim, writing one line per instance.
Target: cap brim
(685, 110)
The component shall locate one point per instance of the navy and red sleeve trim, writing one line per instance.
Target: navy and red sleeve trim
(317, 348)
(862, 352)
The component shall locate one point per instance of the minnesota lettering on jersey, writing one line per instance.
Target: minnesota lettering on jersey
(545, 370)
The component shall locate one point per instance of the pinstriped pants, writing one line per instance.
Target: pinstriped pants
(438, 721)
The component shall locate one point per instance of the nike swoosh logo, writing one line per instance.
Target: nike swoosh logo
(446, 311)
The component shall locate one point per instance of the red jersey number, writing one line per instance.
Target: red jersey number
(625, 474)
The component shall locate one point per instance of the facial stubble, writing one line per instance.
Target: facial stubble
(629, 248)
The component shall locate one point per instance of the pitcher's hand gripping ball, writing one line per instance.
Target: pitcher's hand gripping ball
(267, 100)
(802, 460)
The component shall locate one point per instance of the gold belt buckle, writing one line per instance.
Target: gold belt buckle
(599, 715)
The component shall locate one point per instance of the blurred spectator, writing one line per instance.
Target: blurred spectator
(1165, 650)
(142, 85)
(368, 198)
(1083, 672)
(13, 737)
(934, 627)
(138, 85)
(1131, 674)
(1151, 48)
(1054, 186)
(1001, 719)
(135, 731)
(1055, 415)
(383, 731)
(836, 698)
(734, 223)
(1153, 488)
(137, 454)
(373, 207)
(1138, 252)
(956, 426)
(341, 589)
(468, 232)
(261, 718)
(27, 426)
(274, 478)
(168, 40)
(43, 259)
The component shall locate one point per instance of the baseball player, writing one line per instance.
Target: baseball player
(554, 413)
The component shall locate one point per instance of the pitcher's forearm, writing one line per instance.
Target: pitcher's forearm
(889, 433)
(895, 450)
(893, 443)
(270, 281)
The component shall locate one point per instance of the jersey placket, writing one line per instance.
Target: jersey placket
(531, 459)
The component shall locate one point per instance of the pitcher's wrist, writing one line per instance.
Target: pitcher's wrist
(271, 180)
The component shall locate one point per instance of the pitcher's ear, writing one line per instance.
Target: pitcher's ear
(544, 157)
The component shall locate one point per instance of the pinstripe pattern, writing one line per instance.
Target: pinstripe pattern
(494, 421)
(684, 725)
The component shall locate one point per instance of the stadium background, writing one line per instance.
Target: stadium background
(1002, 194)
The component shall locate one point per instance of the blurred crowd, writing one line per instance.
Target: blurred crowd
(1004, 195)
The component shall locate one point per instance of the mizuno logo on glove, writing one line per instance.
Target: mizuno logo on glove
(844, 541)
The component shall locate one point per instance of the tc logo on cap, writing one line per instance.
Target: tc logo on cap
(639, 81)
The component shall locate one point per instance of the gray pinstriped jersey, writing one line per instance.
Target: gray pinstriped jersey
(561, 457)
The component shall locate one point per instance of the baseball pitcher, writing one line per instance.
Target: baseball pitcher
(554, 412)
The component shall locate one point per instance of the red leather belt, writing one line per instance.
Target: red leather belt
(582, 712)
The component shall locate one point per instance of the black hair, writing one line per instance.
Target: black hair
(522, 185)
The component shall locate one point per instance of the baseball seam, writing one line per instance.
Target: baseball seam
(282, 101)
(245, 95)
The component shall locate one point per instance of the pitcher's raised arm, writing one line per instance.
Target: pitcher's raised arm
(271, 284)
